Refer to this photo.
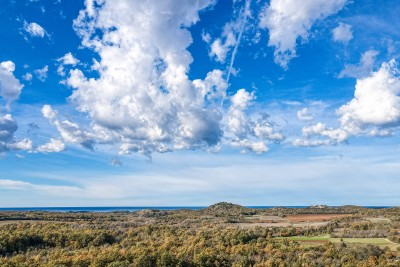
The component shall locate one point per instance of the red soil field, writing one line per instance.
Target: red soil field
(315, 217)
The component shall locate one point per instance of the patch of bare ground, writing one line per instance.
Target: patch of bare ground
(315, 217)
(281, 224)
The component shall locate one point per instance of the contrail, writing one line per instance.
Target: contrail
(244, 20)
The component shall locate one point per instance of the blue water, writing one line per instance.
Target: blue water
(111, 209)
(95, 209)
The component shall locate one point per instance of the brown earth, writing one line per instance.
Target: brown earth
(315, 217)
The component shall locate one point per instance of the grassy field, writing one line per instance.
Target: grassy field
(382, 242)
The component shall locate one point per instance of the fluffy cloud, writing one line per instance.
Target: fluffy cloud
(53, 145)
(8, 127)
(27, 77)
(41, 74)
(219, 48)
(10, 87)
(342, 33)
(304, 115)
(67, 59)
(237, 120)
(374, 110)
(247, 133)
(34, 29)
(363, 68)
(231, 36)
(376, 101)
(69, 131)
(257, 147)
(290, 20)
(143, 98)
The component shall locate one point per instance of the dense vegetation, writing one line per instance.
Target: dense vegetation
(210, 237)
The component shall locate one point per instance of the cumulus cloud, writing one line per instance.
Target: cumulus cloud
(41, 74)
(304, 115)
(219, 49)
(236, 119)
(257, 147)
(143, 98)
(290, 20)
(8, 127)
(27, 77)
(376, 100)
(53, 145)
(244, 132)
(69, 131)
(10, 87)
(374, 110)
(34, 29)
(342, 33)
(363, 68)
(264, 129)
(67, 59)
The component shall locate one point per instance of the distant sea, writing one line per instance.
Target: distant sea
(129, 209)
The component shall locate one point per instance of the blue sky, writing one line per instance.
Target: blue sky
(124, 103)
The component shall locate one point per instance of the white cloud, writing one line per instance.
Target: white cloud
(236, 119)
(143, 98)
(8, 127)
(243, 131)
(69, 131)
(49, 189)
(53, 145)
(10, 87)
(376, 100)
(34, 29)
(264, 130)
(257, 147)
(333, 136)
(67, 59)
(374, 110)
(312, 143)
(206, 37)
(290, 20)
(24, 144)
(41, 74)
(304, 115)
(342, 33)
(362, 69)
(27, 77)
(48, 112)
(230, 38)
(314, 129)
(220, 50)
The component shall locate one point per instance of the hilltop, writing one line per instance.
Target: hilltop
(226, 208)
